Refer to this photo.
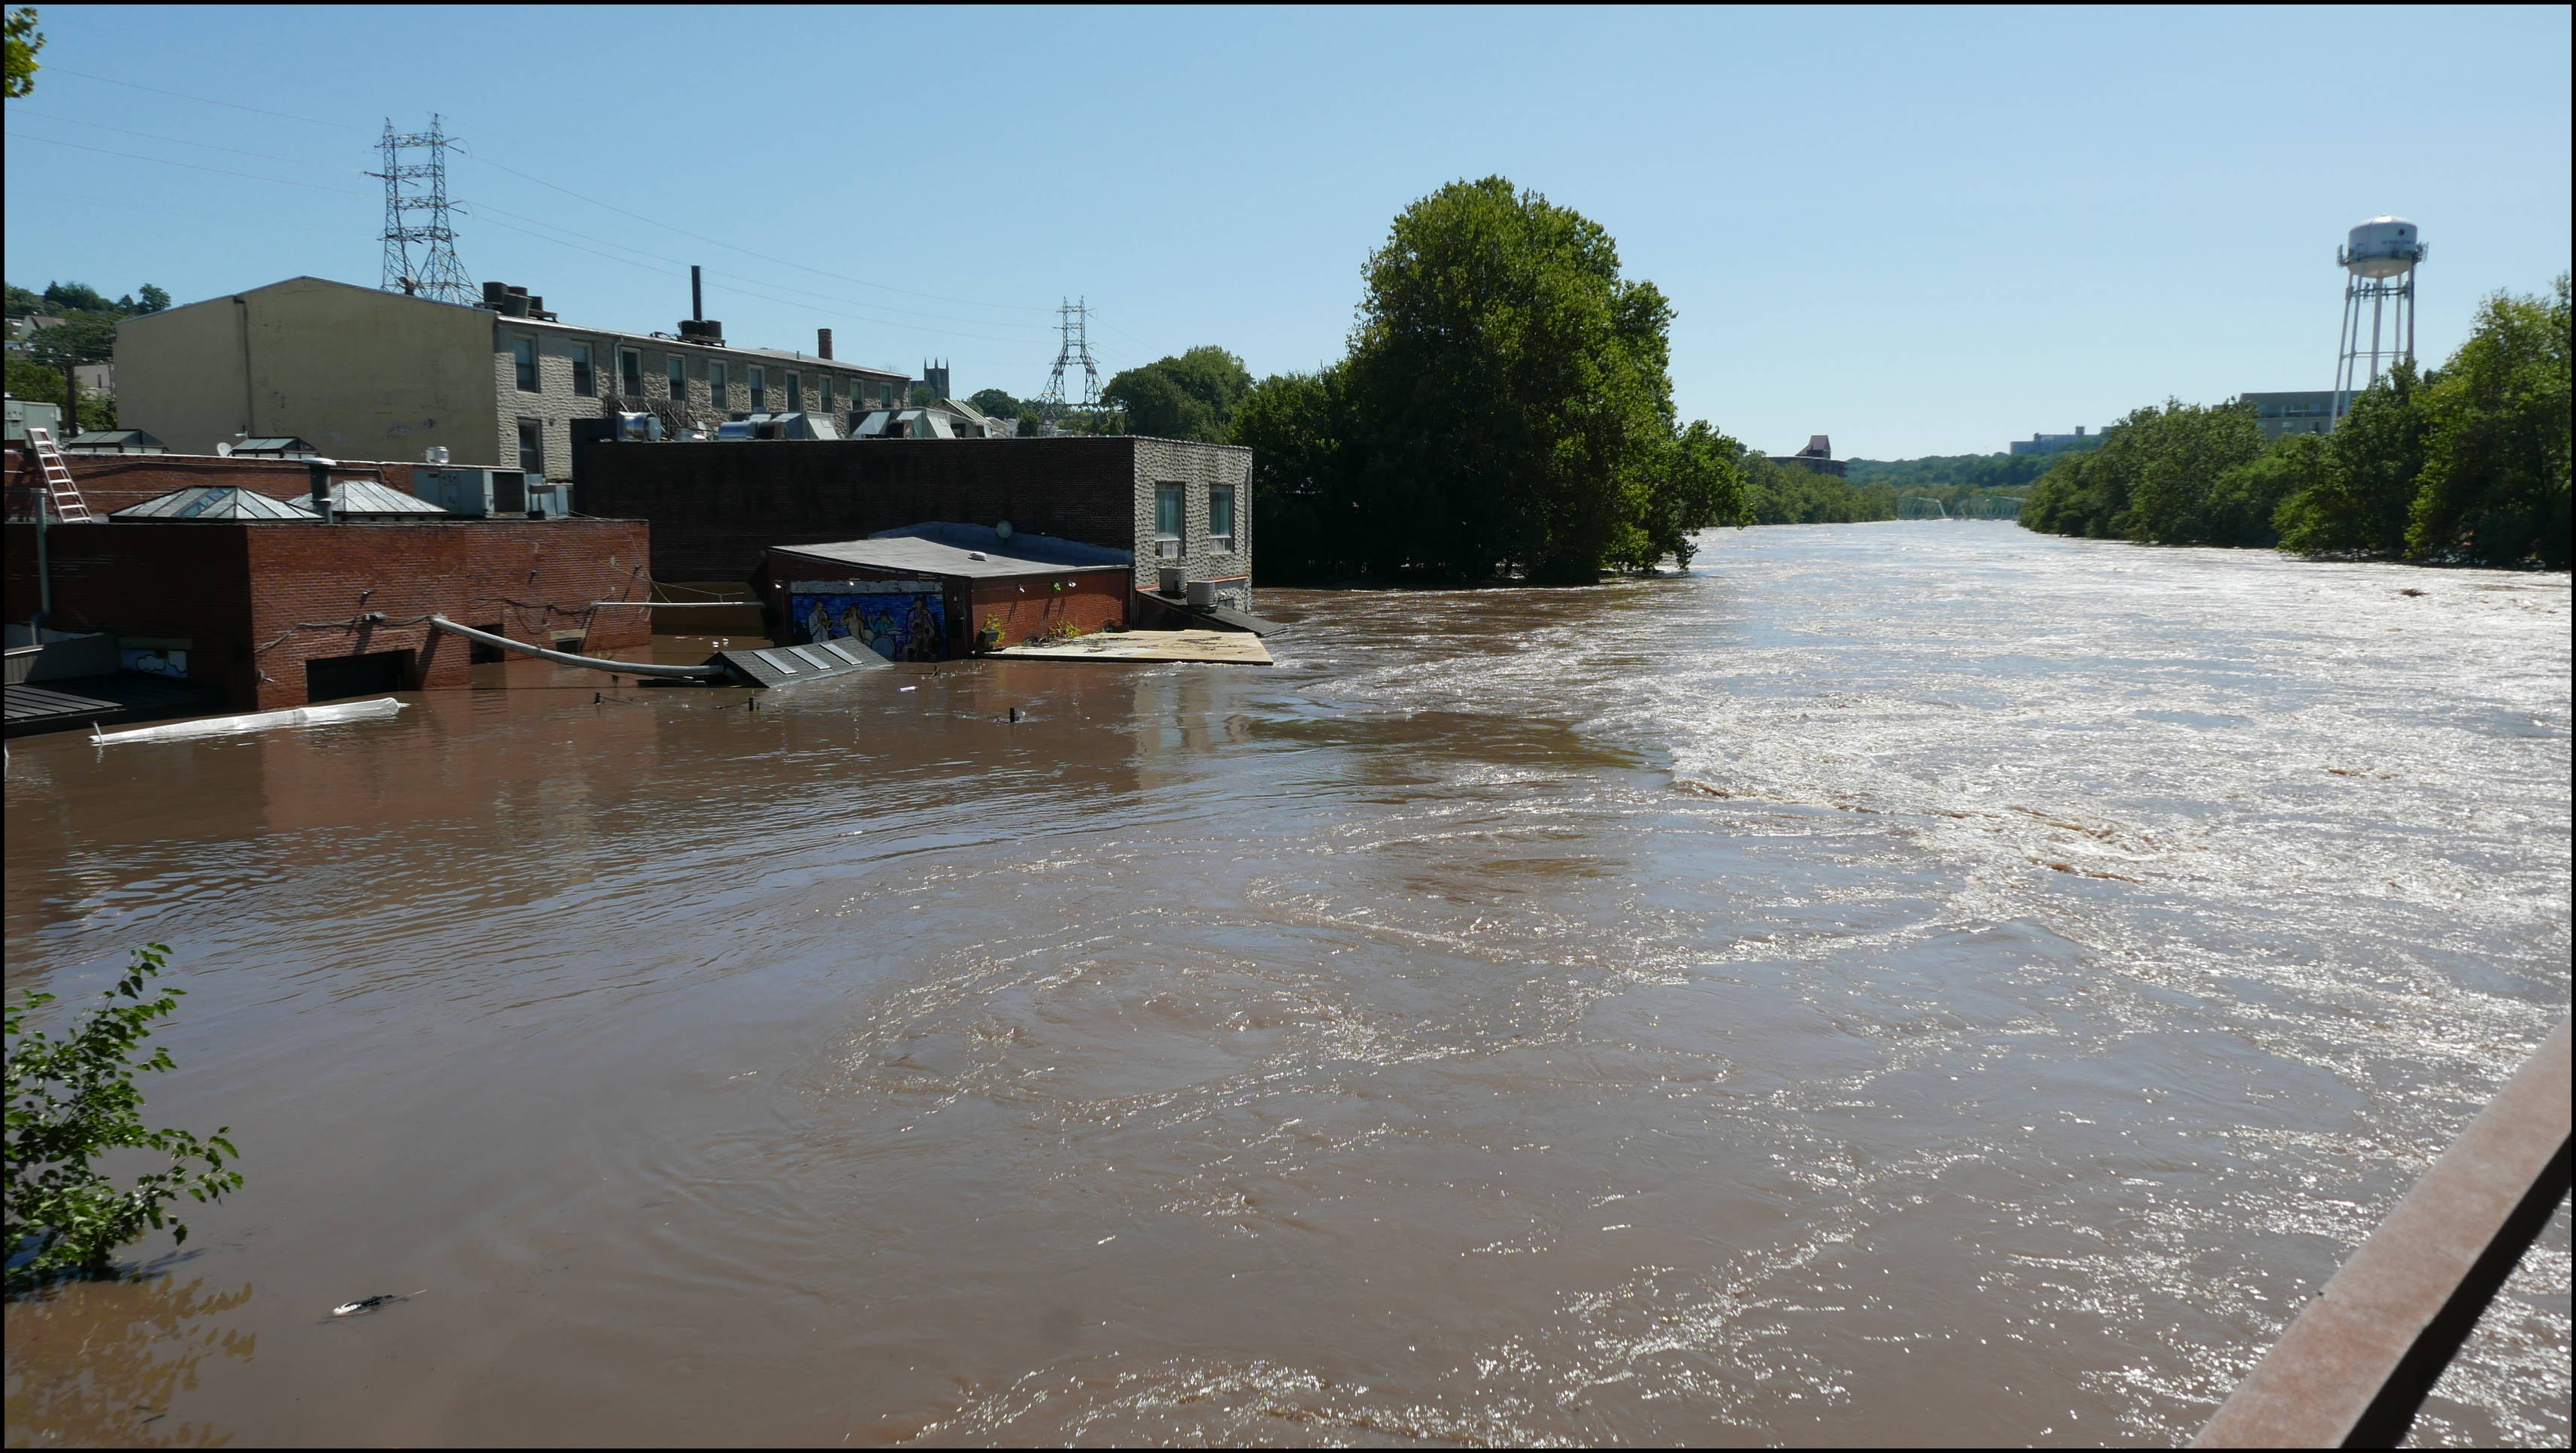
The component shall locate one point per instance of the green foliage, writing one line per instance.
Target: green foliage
(43, 384)
(1505, 411)
(995, 403)
(2156, 479)
(154, 299)
(76, 298)
(23, 302)
(2361, 486)
(1304, 469)
(24, 41)
(923, 396)
(1789, 494)
(1991, 472)
(1188, 396)
(2495, 481)
(72, 1098)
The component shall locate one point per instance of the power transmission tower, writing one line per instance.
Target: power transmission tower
(418, 189)
(1075, 323)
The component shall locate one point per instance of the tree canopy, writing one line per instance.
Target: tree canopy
(24, 41)
(2466, 464)
(1504, 411)
(1187, 396)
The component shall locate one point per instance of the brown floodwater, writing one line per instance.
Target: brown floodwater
(1897, 983)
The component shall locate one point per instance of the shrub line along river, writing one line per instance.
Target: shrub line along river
(1894, 983)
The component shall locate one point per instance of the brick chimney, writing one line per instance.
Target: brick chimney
(823, 342)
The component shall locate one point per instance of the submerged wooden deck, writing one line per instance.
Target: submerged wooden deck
(1229, 648)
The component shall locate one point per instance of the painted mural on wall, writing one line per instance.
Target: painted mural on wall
(900, 625)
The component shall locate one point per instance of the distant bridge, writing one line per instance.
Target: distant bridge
(1984, 507)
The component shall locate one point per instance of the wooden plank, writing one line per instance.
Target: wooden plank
(1231, 648)
(2356, 1365)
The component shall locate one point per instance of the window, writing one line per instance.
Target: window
(679, 378)
(1168, 519)
(718, 395)
(823, 393)
(532, 446)
(1221, 515)
(523, 354)
(795, 393)
(630, 372)
(581, 380)
(759, 381)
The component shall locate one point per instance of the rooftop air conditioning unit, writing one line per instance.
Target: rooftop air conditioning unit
(1169, 583)
(1200, 593)
(549, 501)
(475, 492)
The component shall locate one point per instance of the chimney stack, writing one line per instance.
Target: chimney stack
(823, 343)
(697, 297)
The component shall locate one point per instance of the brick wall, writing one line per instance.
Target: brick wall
(256, 602)
(110, 482)
(1027, 608)
(715, 508)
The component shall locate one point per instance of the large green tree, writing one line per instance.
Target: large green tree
(2494, 488)
(2355, 496)
(1514, 387)
(1190, 395)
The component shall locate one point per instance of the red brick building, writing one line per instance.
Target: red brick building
(275, 614)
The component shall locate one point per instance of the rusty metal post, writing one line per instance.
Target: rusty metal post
(2356, 1365)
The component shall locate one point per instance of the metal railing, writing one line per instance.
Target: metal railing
(2355, 1367)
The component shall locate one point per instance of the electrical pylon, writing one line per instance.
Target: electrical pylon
(1074, 322)
(420, 187)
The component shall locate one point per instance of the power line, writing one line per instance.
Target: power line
(183, 141)
(479, 208)
(209, 100)
(747, 252)
(541, 181)
(192, 166)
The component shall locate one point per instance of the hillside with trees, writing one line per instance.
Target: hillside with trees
(2467, 464)
(85, 334)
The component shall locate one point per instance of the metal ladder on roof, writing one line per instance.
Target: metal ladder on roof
(60, 487)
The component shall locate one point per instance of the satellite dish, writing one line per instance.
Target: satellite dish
(1003, 530)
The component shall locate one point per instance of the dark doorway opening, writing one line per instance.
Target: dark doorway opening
(333, 677)
(479, 654)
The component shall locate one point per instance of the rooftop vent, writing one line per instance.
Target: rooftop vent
(702, 330)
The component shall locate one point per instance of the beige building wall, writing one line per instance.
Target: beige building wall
(359, 373)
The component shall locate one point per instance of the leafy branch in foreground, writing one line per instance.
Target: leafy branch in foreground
(74, 1097)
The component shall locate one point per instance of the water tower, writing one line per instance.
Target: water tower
(2378, 260)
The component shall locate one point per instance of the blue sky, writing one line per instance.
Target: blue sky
(1920, 231)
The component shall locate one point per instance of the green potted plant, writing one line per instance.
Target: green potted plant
(989, 638)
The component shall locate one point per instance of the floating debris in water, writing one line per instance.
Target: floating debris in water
(364, 1305)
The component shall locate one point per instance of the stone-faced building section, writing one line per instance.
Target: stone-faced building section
(717, 508)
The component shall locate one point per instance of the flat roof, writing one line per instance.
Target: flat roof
(972, 552)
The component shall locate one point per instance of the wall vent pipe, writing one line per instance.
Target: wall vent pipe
(697, 296)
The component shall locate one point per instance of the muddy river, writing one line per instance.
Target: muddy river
(1897, 983)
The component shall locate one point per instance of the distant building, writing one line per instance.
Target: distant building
(2055, 443)
(1816, 458)
(2303, 412)
(370, 374)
